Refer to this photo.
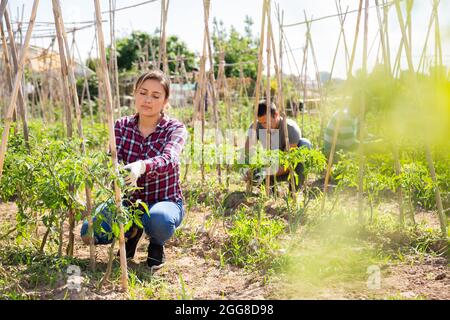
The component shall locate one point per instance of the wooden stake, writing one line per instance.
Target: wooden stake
(3, 5)
(404, 36)
(355, 41)
(21, 103)
(252, 140)
(305, 80)
(361, 119)
(437, 35)
(15, 91)
(383, 39)
(113, 59)
(442, 217)
(86, 85)
(319, 85)
(280, 101)
(163, 42)
(268, 95)
(213, 88)
(68, 108)
(342, 21)
(424, 50)
(386, 33)
(73, 88)
(112, 141)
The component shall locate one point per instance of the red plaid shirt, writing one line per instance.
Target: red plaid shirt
(161, 153)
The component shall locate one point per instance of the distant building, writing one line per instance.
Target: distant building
(41, 61)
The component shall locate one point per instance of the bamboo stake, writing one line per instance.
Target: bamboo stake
(280, 101)
(361, 119)
(404, 36)
(330, 160)
(355, 41)
(305, 80)
(386, 63)
(338, 121)
(397, 65)
(213, 87)
(49, 94)
(382, 38)
(409, 5)
(221, 74)
(398, 171)
(112, 142)
(38, 96)
(73, 88)
(319, 85)
(342, 21)
(86, 85)
(442, 217)
(424, 50)
(64, 77)
(252, 140)
(152, 49)
(200, 100)
(3, 5)
(163, 42)
(437, 41)
(313, 53)
(21, 103)
(68, 108)
(223, 90)
(268, 95)
(15, 91)
(395, 150)
(6, 62)
(113, 59)
(20, 40)
(386, 33)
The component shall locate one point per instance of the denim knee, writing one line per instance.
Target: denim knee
(304, 143)
(99, 237)
(164, 218)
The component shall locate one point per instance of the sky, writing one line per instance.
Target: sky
(185, 19)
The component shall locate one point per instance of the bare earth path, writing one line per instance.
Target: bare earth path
(194, 270)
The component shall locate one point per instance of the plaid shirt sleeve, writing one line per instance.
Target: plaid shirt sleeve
(119, 136)
(169, 159)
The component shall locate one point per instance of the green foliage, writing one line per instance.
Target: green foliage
(49, 181)
(380, 178)
(237, 48)
(134, 49)
(253, 240)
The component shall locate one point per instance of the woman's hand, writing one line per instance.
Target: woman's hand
(136, 170)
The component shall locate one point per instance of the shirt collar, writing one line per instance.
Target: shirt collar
(161, 124)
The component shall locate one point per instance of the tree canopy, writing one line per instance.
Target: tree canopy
(237, 49)
(141, 47)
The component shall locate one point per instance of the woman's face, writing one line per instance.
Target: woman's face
(150, 98)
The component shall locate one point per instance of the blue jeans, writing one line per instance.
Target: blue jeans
(165, 217)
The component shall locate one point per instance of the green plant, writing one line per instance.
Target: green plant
(253, 240)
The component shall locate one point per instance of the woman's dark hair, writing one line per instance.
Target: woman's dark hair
(262, 108)
(157, 75)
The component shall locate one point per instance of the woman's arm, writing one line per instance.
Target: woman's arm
(170, 156)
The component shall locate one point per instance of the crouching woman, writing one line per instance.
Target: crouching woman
(149, 143)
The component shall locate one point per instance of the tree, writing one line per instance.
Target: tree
(237, 48)
(140, 46)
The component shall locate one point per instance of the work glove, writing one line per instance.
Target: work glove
(244, 173)
(136, 169)
(259, 176)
